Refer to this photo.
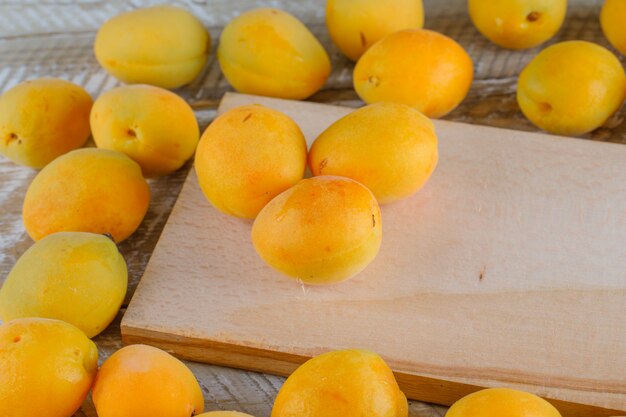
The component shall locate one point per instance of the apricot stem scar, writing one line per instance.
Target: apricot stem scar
(131, 132)
(323, 163)
(247, 117)
(16, 339)
(533, 16)
(363, 39)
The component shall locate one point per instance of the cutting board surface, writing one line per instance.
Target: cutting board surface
(507, 269)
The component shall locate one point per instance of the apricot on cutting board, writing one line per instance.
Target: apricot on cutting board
(42, 119)
(76, 277)
(517, 24)
(140, 380)
(153, 126)
(268, 52)
(498, 402)
(247, 156)
(322, 230)
(46, 368)
(163, 45)
(571, 88)
(613, 22)
(344, 383)
(390, 148)
(224, 414)
(87, 190)
(417, 67)
(355, 25)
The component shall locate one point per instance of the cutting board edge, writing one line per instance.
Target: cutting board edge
(232, 96)
(414, 386)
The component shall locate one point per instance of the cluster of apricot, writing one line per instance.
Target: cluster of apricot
(251, 160)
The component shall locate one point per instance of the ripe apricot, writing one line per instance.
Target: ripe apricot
(247, 156)
(498, 402)
(46, 368)
(390, 148)
(76, 277)
(143, 381)
(612, 20)
(87, 190)
(42, 119)
(153, 126)
(269, 52)
(224, 414)
(344, 383)
(518, 24)
(355, 25)
(322, 230)
(418, 67)
(161, 45)
(571, 88)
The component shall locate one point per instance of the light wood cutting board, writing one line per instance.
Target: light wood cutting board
(507, 269)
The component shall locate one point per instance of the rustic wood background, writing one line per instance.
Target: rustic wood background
(55, 37)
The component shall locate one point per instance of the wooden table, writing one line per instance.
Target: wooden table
(55, 39)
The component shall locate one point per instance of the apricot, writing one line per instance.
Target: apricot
(143, 381)
(571, 88)
(224, 414)
(46, 368)
(498, 402)
(612, 20)
(418, 67)
(87, 190)
(161, 45)
(42, 119)
(269, 52)
(323, 230)
(153, 126)
(518, 24)
(344, 383)
(390, 148)
(355, 25)
(76, 277)
(247, 156)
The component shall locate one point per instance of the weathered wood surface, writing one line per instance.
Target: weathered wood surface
(54, 38)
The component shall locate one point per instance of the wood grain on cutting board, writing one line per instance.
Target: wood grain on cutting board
(507, 269)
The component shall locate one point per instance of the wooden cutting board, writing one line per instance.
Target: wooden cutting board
(507, 269)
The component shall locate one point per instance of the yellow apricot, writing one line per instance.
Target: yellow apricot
(420, 68)
(87, 190)
(355, 25)
(247, 156)
(161, 45)
(76, 277)
(322, 230)
(224, 414)
(143, 381)
(571, 88)
(269, 52)
(344, 383)
(42, 119)
(518, 24)
(46, 368)
(390, 148)
(153, 126)
(612, 20)
(498, 402)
